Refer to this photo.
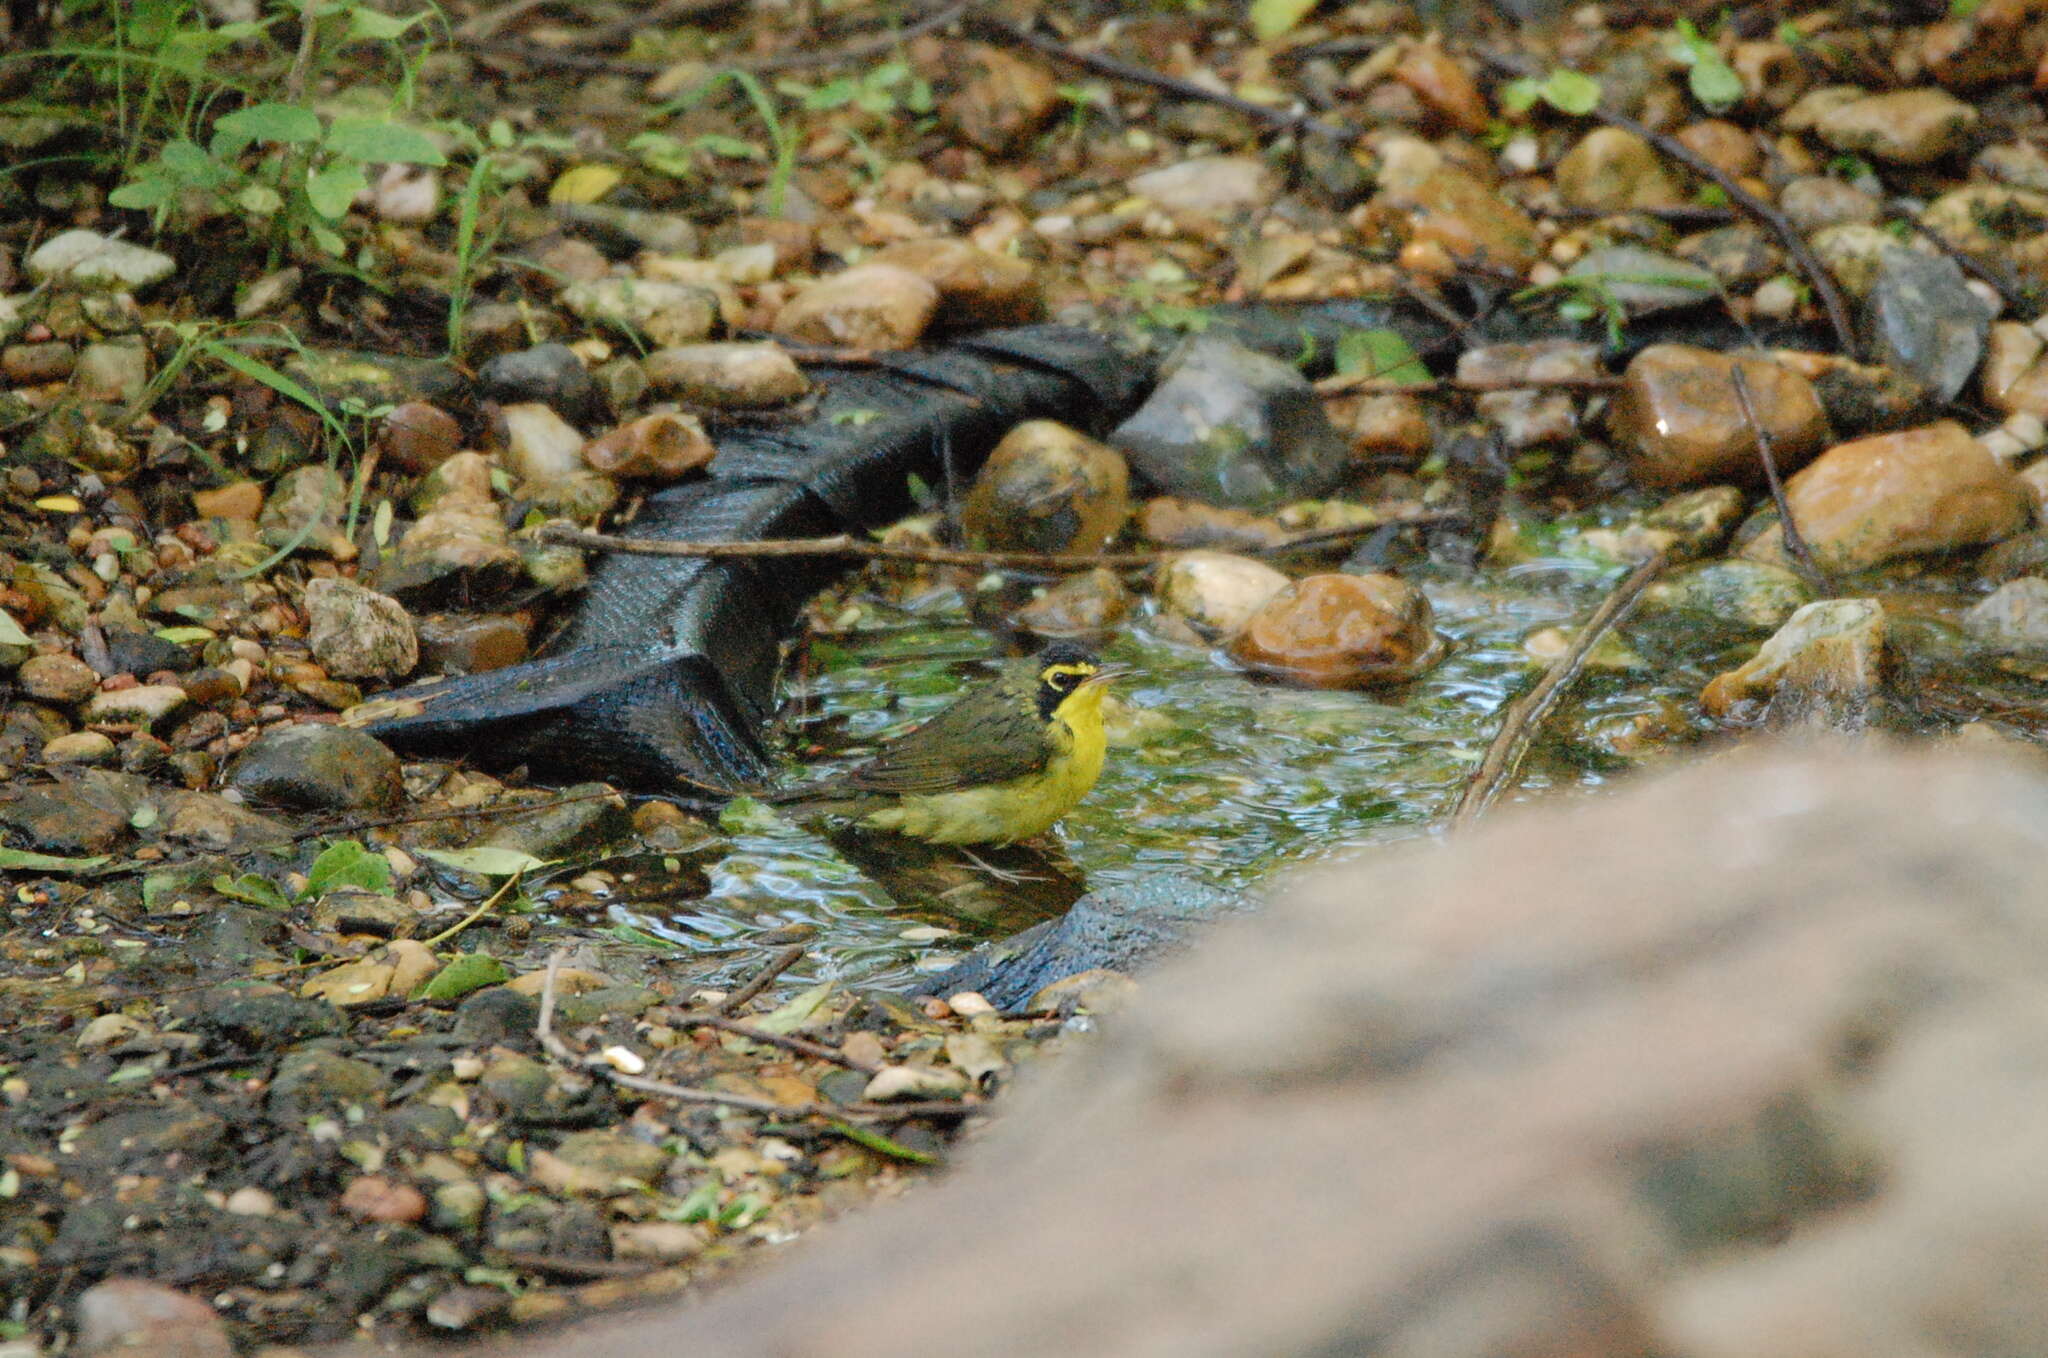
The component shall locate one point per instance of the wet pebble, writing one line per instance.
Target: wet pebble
(236, 500)
(1004, 99)
(87, 259)
(546, 453)
(1829, 658)
(1614, 171)
(1086, 605)
(1901, 127)
(470, 643)
(976, 287)
(313, 1080)
(870, 306)
(141, 707)
(726, 375)
(548, 374)
(1215, 593)
(61, 679)
(663, 313)
(80, 747)
(316, 767)
(1926, 320)
(663, 447)
(1678, 418)
(1047, 488)
(1811, 202)
(419, 436)
(1341, 631)
(2013, 617)
(131, 1315)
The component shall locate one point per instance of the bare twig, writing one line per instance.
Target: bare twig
(483, 908)
(1345, 384)
(1795, 244)
(1795, 541)
(763, 978)
(846, 545)
(1130, 74)
(1496, 770)
(302, 60)
(817, 1051)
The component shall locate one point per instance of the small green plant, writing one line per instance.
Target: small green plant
(1379, 354)
(781, 136)
(1712, 80)
(1566, 91)
(889, 89)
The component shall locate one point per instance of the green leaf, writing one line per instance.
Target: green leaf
(470, 971)
(10, 631)
(877, 1142)
(259, 200)
(369, 25)
(332, 188)
(43, 862)
(185, 636)
(1715, 84)
(1271, 18)
(346, 862)
(1519, 96)
(373, 142)
(1380, 354)
(1571, 92)
(798, 1011)
(143, 816)
(145, 194)
(286, 124)
(252, 890)
(487, 861)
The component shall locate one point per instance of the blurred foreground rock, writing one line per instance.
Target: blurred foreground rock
(1744, 1061)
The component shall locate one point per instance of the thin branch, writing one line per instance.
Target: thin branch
(1795, 244)
(1795, 541)
(817, 1051)
(1345, 384)
(1113, 69)
(763, 978)
(1503, 757)
(845, 544)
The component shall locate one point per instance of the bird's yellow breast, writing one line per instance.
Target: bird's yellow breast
(1003, 813)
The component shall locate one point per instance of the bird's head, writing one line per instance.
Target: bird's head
(1070, 680)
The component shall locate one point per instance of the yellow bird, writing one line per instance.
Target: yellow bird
(1001, 763)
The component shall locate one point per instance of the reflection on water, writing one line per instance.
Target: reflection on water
(1243, 777)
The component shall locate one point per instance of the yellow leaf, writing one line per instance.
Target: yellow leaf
(584, 183)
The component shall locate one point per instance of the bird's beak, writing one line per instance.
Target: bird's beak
(1103, 676)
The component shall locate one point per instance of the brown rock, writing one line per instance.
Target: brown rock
(1999, 40)
(61, 679)
(1006, 99)
(1902, 127)
(664, 446)
(2014, 377)
(1086, 605)
(1047, 488)
(1447, 209)
(1828, 659)
(1721, 142)
(1214, 593)
(1613, 171)
(1678, 418)
(419, 436)
(1341, 631)
(1388, 426)
(870, 306)
(976, 286)
(1171, 521)
(1209, 186)
(129, 1315)
(371, 1197)
(236, 500)
(1930, 489)
(1445, 86)
(30, 365)
(735, 374)
(357, 633)
(470, 643)
(1817, 200)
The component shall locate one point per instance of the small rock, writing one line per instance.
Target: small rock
(1739, 256)
(131, 651)
(1613, 171)
(250, 1201)
(870, 306)
(142, 706)
(80, 747)
(458, 549)
(316, 767)
(418, 436)
(315, 496)
(976, 287)
(129, 1315)
(60, 679)
(1926, 320)
(471, 643)
(664, 313)
(1859, 398)
(1929, 489)
(582, 819)
(1209, 186)
(1828, 657)
(1341, 631)
(1216, 593)
(893, 1083)
(665, 1241)
(357, 633)
(264, 1021)
(1231, 426)
(406, 193)
(30, 365)
(1046, 488)
(547, 374)
(111, 370)
(1005, 100)
(2012, 618)
(1529, 417)
(1814, 201)
(236, 500)
(1743, 593)
(86, 259)
(1902, 127)
(1729, 148)
(314, 1081)
(1854, 253)
(1088, 605)
(1389, 426)
(726, 375)
(1098, 990)
(613, 1158)
(546, 453)
(664, 446)
(1444, 86)
(1171, 521)
(1679, 420)
(396, 970)
(212, 822)
(372, 1197)
(1447, 208)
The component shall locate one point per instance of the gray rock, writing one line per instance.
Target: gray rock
(1231, 426)
(1925, 321)
(86, 814)
(265, 1020)
(86, 259)
(1120, 928)
(560, 829)
(548, 373)
(143, 1134)
(1645, 281)
(112, 370)
(2013, 617)
(143, 653)
(357, 633)
(313, 1080)
(316, 767)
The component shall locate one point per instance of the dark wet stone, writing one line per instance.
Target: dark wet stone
(548, 373)
(144, 653)
(260, 1021)
(211, 821)
(528, 1094)
(143, 1134)
(313, 1080)
(1925, 321)
(376, 379)
(563, 829)
(317, 768)
(571, 1230)
(470, 643)
(1120, 928)
(88, 814)
(2026, 554)
(366, 1266)
(24, 729)
(427, 1126)
(1230, 426)
(238, 934)
(1740, 256)
(496, 1015)
(591, 1006)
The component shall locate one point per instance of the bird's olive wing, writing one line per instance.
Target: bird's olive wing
(988, 736)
